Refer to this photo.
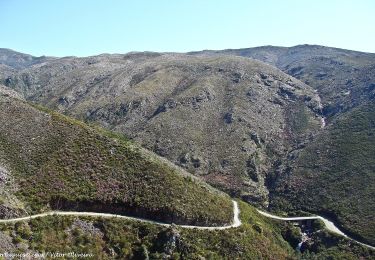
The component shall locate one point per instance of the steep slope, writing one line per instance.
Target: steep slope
(343, 78)
(48, 161)
(226, 119)
(335, 174)
(5, 71)
(247, 124)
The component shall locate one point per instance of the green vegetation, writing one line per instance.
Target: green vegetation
(335, 175)
(229, 120)
(105, 238)
(298, 120)
(301, 121)
(325, 245)
(321, 244)
(119, 239)
(61, 163)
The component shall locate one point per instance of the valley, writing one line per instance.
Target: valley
(167, 138)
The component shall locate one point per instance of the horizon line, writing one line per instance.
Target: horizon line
(182, 52)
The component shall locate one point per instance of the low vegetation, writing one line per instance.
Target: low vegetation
(59, 163)
(321, 244)
(104, 238)
(210, 115)
(334, 175)
(113, 238)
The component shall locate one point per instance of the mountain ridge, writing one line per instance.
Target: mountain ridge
(260, 122)
(341, 76)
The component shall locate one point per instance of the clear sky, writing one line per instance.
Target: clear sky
(88, 27)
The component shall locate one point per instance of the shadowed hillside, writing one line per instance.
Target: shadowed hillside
(335, 174)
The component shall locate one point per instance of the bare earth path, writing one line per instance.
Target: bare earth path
(235, 223)
(329, 224)
(236, 219)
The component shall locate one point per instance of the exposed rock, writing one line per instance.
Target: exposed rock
(4, 174)
(185, 158)
(160, 148)
(252, 169)
(63, 101)
(171, 239)
(6, 244)
(236, 77)
(287, 92)
(7, 212)
(196, 161)
(228, 118)
(86, 227)
(255, 137)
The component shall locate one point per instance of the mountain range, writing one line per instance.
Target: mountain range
(287, 129)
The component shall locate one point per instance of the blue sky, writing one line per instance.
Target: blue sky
(88, 27)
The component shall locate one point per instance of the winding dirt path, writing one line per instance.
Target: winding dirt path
(329, 224)
(235, 223)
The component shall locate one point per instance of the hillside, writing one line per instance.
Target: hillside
(243, 126)
(49, 161)
(334, 175)
(104, 238)
(18, 60)
(225, 119)
(343, 78)
(118, 239)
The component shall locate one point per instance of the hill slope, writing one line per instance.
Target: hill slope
(105, 238)
(50, 161)
(343, 78)
(335, 174)
(17, 60)
(237, 123)
(226, 119)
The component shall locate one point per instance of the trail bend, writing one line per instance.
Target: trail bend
(329, 225)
